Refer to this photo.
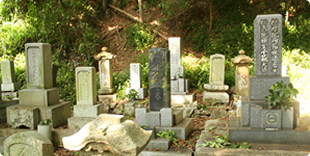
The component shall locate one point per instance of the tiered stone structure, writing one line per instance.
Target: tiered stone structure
(135, 80)
(215, 90)
(179, 85)
(161, 115)
(40, 100)
(257, 120)
(87, 107)
(9, 85)
(105, 74)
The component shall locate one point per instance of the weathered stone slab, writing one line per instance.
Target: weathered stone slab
(159, 78)
(218, 114)
(268, 45)
(76, 123)
(135, 75)
(215, 97)
(86, 86)
(28, 143)
(90, 110)
(113, 129)
(39, 65)
(217, 69)
(174, 86)
(23, 116)
(111, 97)
(166, 117)
(175, 56)
(288, 118)
(105, 75)
(260, 85)
(8, 76)
(159, 143)
(182, 99)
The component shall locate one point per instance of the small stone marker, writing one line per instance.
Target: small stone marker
(28, 143)
(159, 78)
(135, 80)
(217, 69)
(268, 45)
(8, 77)
(105, 71)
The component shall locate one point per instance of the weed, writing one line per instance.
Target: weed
(169, 134)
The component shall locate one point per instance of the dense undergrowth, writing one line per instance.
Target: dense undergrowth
(225, 26)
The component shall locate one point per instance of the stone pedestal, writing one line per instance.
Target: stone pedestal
(215, 90)
(40, 99)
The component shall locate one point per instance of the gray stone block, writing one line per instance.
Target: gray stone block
(111, 97)
(89, 110)
(255, 121)
(288, 118)
(23, 116)
(3, 106)
(178, 93)
(181, 130)
(216, 114)
(166, 117)
(177, 116)
(271, 118)
(143, 117)
(10, 86)
(182, 99)
(153, 118)
(129, 108)
(174, 86)
(6, 95)
(159, 143)
(181, 85)
(260, 85)
(38, 97)
(165, 153)
(246, 111)
(28, 143)
(76, 123)
(217, 97)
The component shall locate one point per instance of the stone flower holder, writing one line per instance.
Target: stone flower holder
(45, 128)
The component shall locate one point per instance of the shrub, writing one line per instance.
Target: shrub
(139, 36)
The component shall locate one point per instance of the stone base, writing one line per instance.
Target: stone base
(141, 92)
(244, 134)
(76, 123)
(260, 85)
(3, 105)
(10, 86)
(215, 97)
(90, 110)
(106, 91)
(30, 116)
(181, 130)
(39, 97)
(144, 117)
(159, 143)
(6, 95)
(111, 97)
(182, 99)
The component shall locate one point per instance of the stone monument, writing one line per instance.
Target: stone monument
(87, 107)
(40, 100)
(135, 80)
(9, 85)
(105, 75)
(258, 123)
(161, 117)
(179, 85)
(242, 73)
(215, 90)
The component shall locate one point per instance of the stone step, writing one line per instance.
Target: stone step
(159, 143)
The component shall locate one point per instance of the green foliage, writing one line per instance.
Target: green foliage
(45, 122)
(139, 36)
(224, 142)
(280, 95)
(169, 134)
(132, 94)
(202, 107)
(65, 80)
(121, 81)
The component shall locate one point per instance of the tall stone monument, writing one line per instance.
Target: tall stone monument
(159, 78)
(267, 55)
(179, 85)
(87, 107)
(105, 74)
(160, 115)
(215, 90)
(9, 85)
(135, 80)
(40, 100)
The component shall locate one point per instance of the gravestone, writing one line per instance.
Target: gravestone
(267, 55)
(215, 90)
(159, 78)
(40, 93)
(135, 80)
(9, 84)
(28, 143)
(179, 85)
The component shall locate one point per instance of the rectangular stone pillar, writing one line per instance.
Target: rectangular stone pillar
(105, 75)
(9, 84)
(175, 57)
(217, 69)
(135, 80)
(159, 78)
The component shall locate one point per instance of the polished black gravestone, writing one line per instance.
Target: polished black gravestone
(159, 78)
